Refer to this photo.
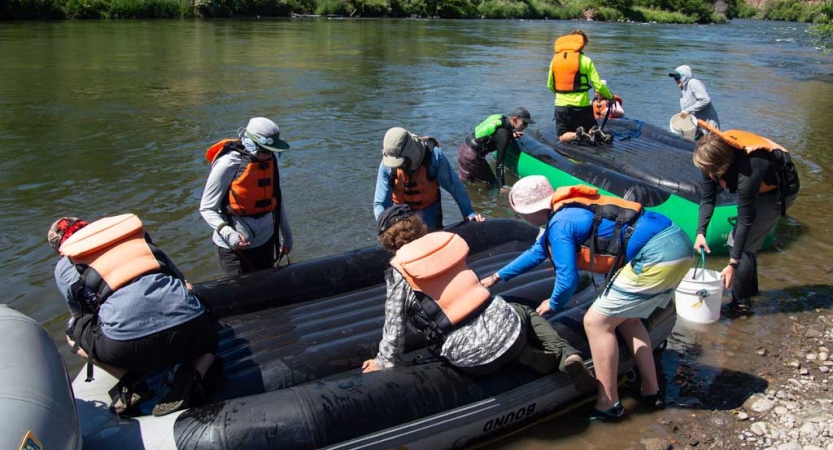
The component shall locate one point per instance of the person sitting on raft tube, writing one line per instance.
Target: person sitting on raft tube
(412, 171)
(493, 134)
(643, 253)
(571, 76)
(763, 175)
(242, 200)
(694, 99)
(601, 106)
(132, 310)
(430, 286)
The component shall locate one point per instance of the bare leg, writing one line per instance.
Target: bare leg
(568, 137)
(114, 371)
(639, 343)
(601, 334)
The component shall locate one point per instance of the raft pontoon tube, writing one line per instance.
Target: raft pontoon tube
(292, 344)
(645, 163)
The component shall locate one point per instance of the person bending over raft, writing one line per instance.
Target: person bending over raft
(644, 254)
(132, 311)
(474, 331)
(494, 134)
(412, 171)
(764, 177)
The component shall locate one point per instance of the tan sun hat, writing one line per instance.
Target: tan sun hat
(531, 194)
(400, 145)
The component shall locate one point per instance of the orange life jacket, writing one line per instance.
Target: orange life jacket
(565, 65)
(255, 189)
(788, 182)
(420, 190)
(110, 253)
(449, 292)
(599, 254)
(600, 106)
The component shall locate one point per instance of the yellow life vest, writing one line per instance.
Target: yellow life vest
(435, 268)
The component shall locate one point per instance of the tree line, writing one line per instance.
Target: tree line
(663, 11)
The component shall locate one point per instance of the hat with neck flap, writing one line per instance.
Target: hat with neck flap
(401, 146)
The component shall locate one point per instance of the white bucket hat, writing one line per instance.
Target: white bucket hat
(262, 132)
(531, 194)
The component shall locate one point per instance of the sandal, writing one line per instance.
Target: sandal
(185, 392)
(128, 398)
(653, 401)
(613, 414)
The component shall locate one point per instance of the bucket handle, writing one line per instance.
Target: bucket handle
(702, 263)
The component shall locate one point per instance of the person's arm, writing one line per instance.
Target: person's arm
(698, 90)
(65, 276)
(562, 237)
(450, 182)
(383, 197)
(708, 196)
(213, 197)
(595, 80)
(502, 138)
(749, 182)
(550, 80)
(527, 260)
(392, 345)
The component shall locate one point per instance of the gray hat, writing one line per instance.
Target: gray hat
(400, 144)
(264, 133)
(521, 113)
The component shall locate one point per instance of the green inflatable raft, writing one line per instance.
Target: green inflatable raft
(644, 163)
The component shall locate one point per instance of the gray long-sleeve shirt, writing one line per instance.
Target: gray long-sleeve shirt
(478, 342)
(694, 99)
(257, 230)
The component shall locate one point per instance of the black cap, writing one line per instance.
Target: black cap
(392, 216)
(523, 114)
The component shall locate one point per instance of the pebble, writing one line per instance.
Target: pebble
(790, 446)
(742, 416)
(824, 356)
(811, 357)
(759, 428)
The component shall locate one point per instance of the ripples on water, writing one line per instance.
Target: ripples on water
(100, 118)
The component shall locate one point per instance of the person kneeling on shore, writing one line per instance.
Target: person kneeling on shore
(430, 285)
(132, 311)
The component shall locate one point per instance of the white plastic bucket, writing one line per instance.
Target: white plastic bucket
(698, 299)
(686, 128)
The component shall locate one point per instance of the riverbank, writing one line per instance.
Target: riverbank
(784, 401)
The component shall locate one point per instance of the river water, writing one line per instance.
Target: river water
(102, 118)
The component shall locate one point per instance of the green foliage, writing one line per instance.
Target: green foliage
(608, 14)
(640, 14)
(787, 10)
(822, 29)
(544, 9)
(503, 9)
(620, 5)
(745, 10)
(456, 9)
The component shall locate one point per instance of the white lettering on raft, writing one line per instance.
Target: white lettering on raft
(509, 418)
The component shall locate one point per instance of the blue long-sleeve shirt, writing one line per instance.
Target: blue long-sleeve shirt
(447, 179)
(566, 231)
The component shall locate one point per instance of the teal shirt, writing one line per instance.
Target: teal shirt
(587, 67)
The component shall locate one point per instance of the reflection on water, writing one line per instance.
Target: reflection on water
(100, 118)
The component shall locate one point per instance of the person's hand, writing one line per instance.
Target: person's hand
(285, 250)
(700, 244)
(369, 366)
(518, 134)
(728, 274)
(490, 280)
(189, 286)
(683, 114)
(241, 243)
(544, 308)
(475, 218)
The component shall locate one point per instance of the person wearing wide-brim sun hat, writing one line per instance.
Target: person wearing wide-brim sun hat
(654, 259)
(242, 200)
